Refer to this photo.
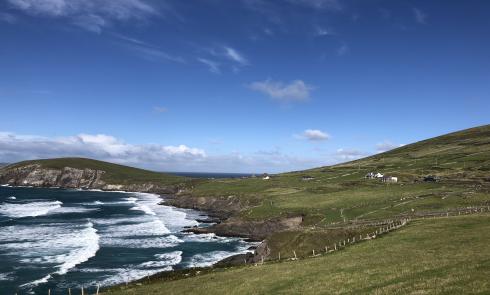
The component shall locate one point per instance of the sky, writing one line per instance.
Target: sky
(237, 86)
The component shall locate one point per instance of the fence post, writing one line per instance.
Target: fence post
(69, 291)
(326, 249)
(279, 255)
(295, 257)
(98, 287)
(313, 252)
(49, 291)
(82, 290)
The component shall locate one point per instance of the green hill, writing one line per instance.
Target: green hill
(113, 173)
(440, 256)
(460, 160)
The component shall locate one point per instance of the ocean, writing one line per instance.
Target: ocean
(60, 238)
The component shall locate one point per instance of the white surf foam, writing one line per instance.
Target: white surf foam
(173, 218)
(122, 275)
(94, 203)
(62, 247)
(153, 227)
(208, 259)
(33, 209)
(142, 243)
(6, 276)
(144, 208)
(12, 198)
(165, 259)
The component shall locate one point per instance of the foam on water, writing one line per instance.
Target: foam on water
(32, 209)
(165, 259)
(144, 236)
(6, 276)
(145, 209)
(142, 243)
(64, 246)
(208, 259)
(122, 275)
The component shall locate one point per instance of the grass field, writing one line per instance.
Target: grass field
(431, 256)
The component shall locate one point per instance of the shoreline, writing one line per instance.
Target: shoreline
(209, 217)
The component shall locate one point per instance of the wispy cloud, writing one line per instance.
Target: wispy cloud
(349, 154)
(213, 66)
(420, 16)
(343, 50)
(221, 58)
(92, 15)
(321, 32)
(386, 146)
(296, 91)
(319, 4)
(7, 18)
(153, 54)
(235, 56)
(314, 135)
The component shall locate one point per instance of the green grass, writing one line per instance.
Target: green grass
(115, 174)
(439, 256)
(461, 159)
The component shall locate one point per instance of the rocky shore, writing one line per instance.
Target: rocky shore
(221, 211)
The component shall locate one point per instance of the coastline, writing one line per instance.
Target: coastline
(209, 218)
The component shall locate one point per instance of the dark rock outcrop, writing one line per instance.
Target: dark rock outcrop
(254, 230)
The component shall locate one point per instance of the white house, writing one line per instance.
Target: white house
(389, 179)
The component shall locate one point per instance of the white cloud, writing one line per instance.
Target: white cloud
(315, 135)
(420, 16)
(92, 15)
(386, 146)
(296, 91)
(235, 56)
(15, 147)
(349, 154)
(213, 66)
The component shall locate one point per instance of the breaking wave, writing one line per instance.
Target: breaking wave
(33, 209)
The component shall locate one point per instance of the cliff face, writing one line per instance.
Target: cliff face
(38, 176)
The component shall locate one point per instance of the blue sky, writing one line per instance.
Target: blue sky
(237, 86)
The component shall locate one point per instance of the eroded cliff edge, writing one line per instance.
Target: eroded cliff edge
(67, 177)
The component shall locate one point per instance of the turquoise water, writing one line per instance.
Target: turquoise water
(58, 239)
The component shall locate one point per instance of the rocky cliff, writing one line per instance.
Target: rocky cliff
(68, 177)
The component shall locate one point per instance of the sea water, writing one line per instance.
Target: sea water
(58, 239)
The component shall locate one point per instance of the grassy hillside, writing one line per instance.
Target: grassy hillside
(439, 256)
(115, 173)
(341, 193)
